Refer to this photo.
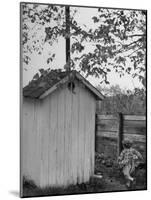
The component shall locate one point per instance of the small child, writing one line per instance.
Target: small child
(128, 160)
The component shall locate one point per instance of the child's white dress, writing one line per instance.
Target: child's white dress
(128, 160)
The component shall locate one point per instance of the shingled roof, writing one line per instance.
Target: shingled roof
(46, 84)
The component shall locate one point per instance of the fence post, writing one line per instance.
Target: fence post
(120, 133)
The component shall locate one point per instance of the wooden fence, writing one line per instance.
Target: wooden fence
(112, 129)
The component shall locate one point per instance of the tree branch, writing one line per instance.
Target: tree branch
(124, 48)
(137, 35)
(133, 52)
(132, 43)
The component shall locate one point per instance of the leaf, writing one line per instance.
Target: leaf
(36, 76)
(108, 70)
(107, 82)
(95, 19)
(41, 71)
(49, 60)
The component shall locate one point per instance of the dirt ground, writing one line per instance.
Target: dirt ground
(112, 180)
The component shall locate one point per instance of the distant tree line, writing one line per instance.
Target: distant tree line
(125, 101)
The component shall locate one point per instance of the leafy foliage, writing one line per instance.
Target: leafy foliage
(40, 24)
(118, 38)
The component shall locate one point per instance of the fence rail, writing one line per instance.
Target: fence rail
(119, 127)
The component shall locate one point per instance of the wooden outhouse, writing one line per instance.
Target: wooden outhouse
(58, 130)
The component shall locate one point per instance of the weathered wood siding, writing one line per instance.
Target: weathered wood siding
(134, 129)
(58, 137)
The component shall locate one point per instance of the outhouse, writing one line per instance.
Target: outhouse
(58, 130)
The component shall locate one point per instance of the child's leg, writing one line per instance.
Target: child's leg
(126, 172)
(132, 169)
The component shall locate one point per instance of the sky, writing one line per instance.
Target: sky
(39, 61)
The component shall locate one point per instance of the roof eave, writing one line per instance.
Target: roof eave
(97, 93)
(54, 87)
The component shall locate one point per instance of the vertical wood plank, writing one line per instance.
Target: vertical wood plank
(50, 146)
(92, 136)
(56, 140)
(67, 129)
(74, 133)
(81, 134)
(86, 131)
(37, 141)
(68, 134)
(78, 164)
(24, 139)
(65, 141)
(53, 137)
(44, 131)
(79, 138)
(120, 133)
(89, 127)
(29, 115)
(60, 141)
